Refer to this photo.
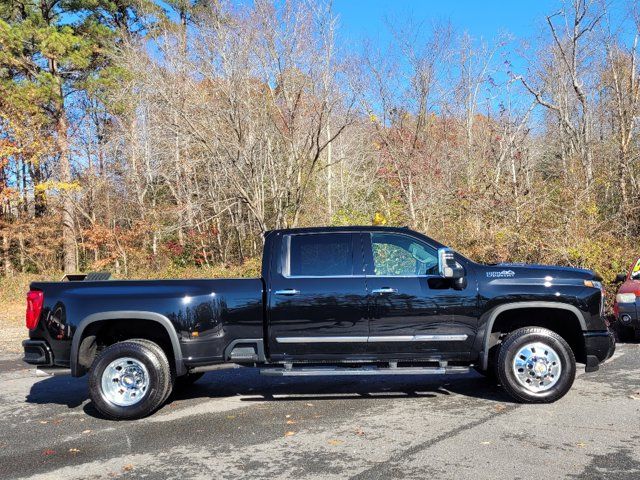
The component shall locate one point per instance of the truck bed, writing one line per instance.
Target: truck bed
(206, 314)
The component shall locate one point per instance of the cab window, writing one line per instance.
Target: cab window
(402, 255)
(318, 255)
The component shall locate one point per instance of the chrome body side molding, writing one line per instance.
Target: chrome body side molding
(375, 339)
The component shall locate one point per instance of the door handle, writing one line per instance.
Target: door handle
(384, 290)
(288, 291)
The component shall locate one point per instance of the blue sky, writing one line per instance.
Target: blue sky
(481, 19)
(484, 20)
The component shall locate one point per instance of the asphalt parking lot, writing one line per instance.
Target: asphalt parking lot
(238, 424)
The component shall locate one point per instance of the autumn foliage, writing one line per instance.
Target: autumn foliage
(188, 132)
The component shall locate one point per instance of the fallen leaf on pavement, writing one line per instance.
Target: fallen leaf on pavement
(500, 408)
(288, 434)
(291, 422)
(127, 468)
(335, 442)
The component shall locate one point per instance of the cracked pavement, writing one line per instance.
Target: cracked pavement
(238, 424)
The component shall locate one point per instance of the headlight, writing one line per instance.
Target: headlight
(626, 298)
(593, 284)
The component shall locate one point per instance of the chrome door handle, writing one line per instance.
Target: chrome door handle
(385, 290)
(288, 291)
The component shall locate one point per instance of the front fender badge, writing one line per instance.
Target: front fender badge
(501, 274)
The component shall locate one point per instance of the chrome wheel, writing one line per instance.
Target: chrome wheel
(125, 382)
(537, 367)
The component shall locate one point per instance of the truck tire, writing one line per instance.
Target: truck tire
(536, 365)
(129, 380)
(154, 346)
(187, 380)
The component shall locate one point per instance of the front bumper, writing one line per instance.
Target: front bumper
(599, 346)
(628, 315)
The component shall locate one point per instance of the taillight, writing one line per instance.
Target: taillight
(35, 299)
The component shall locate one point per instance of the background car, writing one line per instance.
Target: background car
(627, 304)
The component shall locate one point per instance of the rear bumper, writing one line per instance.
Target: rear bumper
(599, 346)
(37, 352)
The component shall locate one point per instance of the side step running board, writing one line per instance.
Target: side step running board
(318, 372)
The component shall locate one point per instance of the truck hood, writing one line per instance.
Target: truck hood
(510, 270)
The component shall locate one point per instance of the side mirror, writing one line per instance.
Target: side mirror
(620, 278)
(447, 265)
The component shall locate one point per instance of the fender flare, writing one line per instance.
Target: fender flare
(76, 370)
(493, 314)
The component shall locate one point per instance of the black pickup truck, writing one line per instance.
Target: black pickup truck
(331, 301)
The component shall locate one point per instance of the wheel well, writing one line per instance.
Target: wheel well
(103, 333)
(563, 322)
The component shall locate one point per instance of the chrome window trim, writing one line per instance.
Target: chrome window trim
(404, 276)
(324, 276)
(362, 276)
(285, 263)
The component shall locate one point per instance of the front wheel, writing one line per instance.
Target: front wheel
(536, 365)
(129, 380)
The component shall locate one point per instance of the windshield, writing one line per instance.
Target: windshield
(635, 272)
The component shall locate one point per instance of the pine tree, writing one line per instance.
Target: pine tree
(51, 52)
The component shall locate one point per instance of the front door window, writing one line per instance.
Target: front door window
(400, 255)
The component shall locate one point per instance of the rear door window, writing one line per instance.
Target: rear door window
(318, 255)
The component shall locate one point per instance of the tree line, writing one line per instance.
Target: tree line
(138, 136)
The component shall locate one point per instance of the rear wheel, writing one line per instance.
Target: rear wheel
(129, 380)
(536, 365)
(161, 355)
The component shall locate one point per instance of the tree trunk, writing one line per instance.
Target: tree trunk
(64, 173)
(6, 257)
(68, 227)
(329, 176)
(21, 252)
